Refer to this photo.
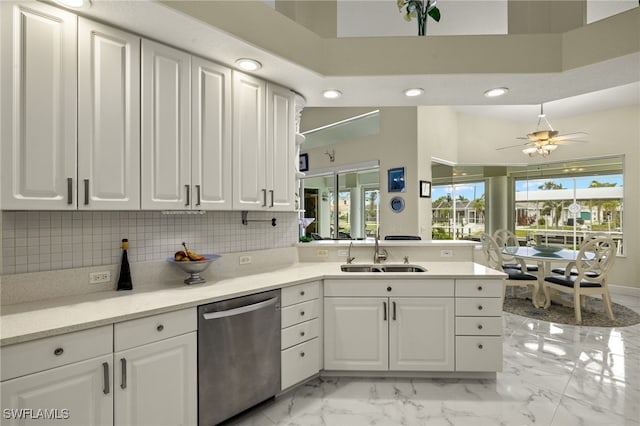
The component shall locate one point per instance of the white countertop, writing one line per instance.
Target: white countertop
(28, 321)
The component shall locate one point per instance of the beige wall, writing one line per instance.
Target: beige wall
(394, 146)
(320, 16)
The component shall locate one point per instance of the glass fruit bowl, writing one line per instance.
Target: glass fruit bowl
(547, 249)
(194, 267)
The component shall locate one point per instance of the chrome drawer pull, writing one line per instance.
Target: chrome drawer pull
(389, 288)
(58, 351)
(479, 288)
(301, 313)
(302, 293)
(479, 326)
(479, 307)
(302, 333)
(302, 354)
(160, 327)
(480, 346)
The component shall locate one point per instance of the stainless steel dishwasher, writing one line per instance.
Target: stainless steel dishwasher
(238, 355)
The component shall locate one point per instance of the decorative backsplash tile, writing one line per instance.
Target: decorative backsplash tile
(43, 240)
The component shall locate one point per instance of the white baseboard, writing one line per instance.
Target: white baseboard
(624, 290)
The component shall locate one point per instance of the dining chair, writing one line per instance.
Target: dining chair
(593, 263)
(572, 269)
(516, 277)
(505, 238)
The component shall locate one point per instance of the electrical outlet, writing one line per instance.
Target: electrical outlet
(99, 277)
(322, 253)
(342, 253)
(244, 260)
(446, 253)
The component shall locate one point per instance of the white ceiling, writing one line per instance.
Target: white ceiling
(600, 86)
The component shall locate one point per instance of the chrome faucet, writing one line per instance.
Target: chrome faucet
(378, 254)
(349, 258)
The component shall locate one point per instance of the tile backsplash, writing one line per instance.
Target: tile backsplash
(36, 241)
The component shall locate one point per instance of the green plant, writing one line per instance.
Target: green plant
(421, 10)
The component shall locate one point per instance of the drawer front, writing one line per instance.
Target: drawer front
(39, 355)
(389, 287)
(299, 333)
(292, 315)
(300, 293)
(300, 362)
(130, 334)
(478, 307)
(478, 353)
(479, 326)
(479, 288)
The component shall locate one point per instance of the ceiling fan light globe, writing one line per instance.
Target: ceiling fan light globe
(551, 147)
(530, 151)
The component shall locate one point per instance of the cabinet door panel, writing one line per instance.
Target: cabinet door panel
(356, 333)
(80, 388)
(211, 135)
(108, 117)
(39, 102)
(249, 174)
(421, 334)
(280, 148)
(161, 384)
(166, 122)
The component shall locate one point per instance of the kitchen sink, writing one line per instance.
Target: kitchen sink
(382, 268)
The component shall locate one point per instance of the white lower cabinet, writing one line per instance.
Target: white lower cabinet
(63, 380)
(301, 333)
(389, 333)
(478, 325)
(156, 383)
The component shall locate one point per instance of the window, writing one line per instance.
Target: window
(353, 213)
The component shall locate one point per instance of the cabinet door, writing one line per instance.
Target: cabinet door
(249, 144)
(39, 99)
(78, 388)
(166, 124)
(108, 118)
(280, 127)
(211, 155)
(156, 383)
(421, 334)
(356, 333)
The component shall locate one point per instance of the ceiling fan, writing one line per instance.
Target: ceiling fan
(543, 142)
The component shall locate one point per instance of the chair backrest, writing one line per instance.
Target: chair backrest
(491, 252)
(506, 239)
(597, 256)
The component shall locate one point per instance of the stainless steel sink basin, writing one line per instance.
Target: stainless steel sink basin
(382, 268)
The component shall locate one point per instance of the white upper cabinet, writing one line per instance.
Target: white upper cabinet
(38, 107)
(211, 149)
(280, 147)
(166, 124)
(108, 118)
(249, 143)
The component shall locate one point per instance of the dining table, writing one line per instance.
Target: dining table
(543, 258)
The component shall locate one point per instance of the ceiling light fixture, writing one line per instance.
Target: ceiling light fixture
(75, 4)
(248, 64)
(494, 93)
(413, 92)
(332, 94)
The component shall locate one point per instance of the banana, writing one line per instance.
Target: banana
(191, 255)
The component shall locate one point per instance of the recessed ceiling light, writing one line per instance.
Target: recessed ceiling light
(76, 4)
(494, 93)
(332, 94)
(413, 92)
(247, 64)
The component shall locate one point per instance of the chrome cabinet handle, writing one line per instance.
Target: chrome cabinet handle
(479, 288)
(479, 307)
(198, 195)
(160, 327)
(479, 326)
(394, 310)
(264, 198)
(69, 190)
(188, 201)
(301, 313)
(302, 334)
(86, 192)
(302, 293)
(123, 377)
(105, 375)
(480, 346)
(302, 354)
(58, 351)
(384, 313)
(271, 192)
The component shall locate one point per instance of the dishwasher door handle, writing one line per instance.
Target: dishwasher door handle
(240, 310)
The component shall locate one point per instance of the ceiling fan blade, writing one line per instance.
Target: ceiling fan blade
(570, 136)
(566, 141)
(520, 145)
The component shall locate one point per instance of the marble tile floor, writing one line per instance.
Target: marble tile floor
(553, 374)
